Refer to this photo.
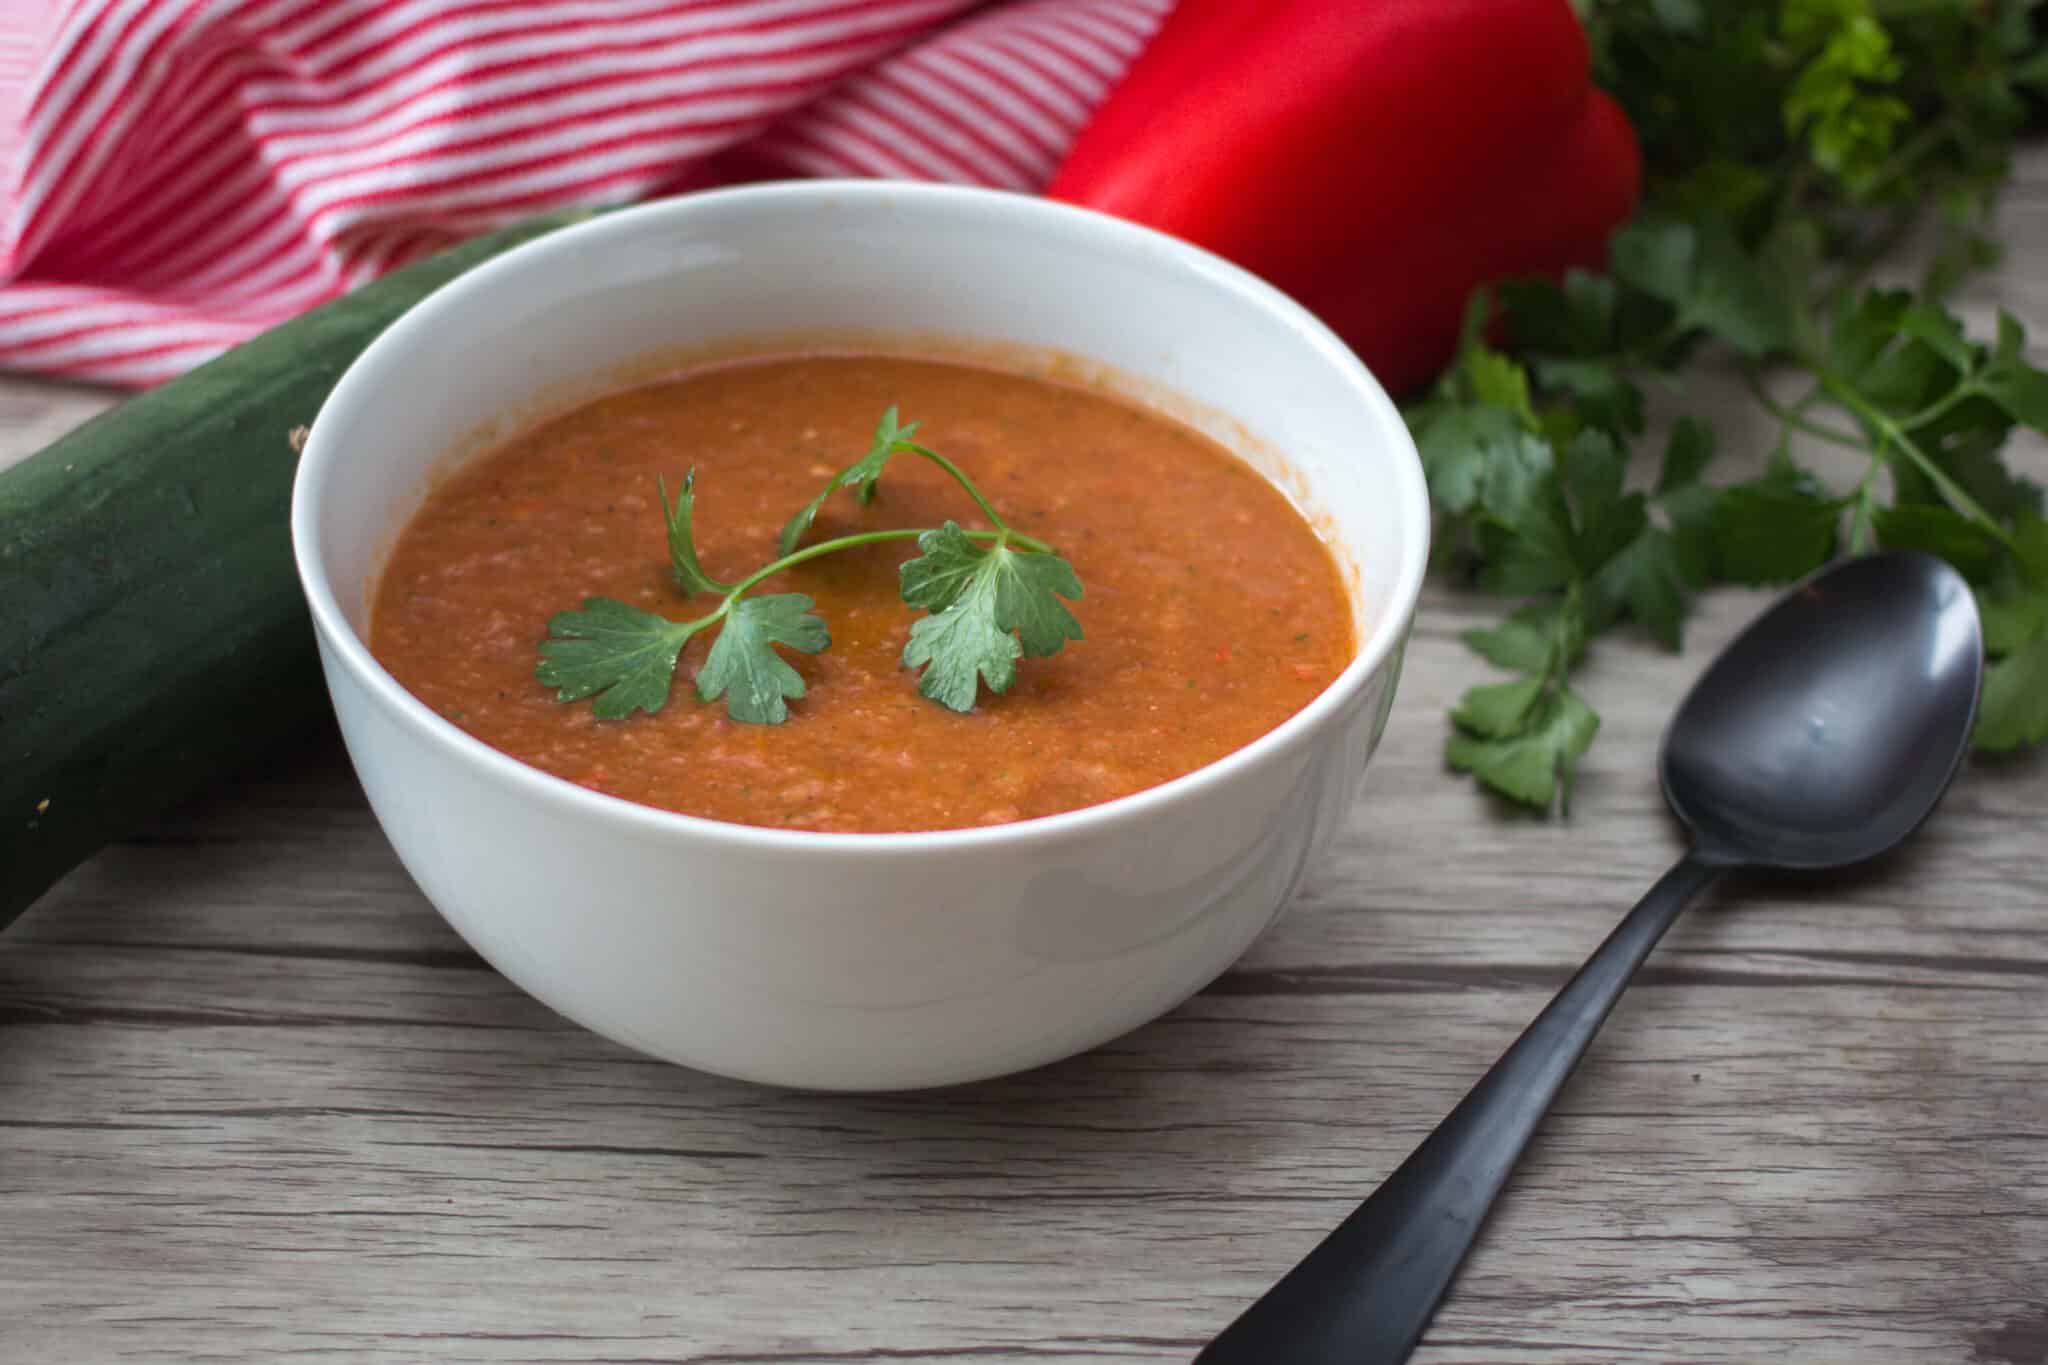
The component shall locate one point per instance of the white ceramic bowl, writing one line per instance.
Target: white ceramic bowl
(850, 961)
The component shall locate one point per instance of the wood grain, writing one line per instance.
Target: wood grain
(258, 1103)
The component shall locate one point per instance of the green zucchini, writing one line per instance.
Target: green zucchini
(153, 637)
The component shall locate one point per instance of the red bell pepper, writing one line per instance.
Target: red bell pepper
(1376, 159)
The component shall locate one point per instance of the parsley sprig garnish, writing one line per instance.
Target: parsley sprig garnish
(1788, 145)
(991, 597)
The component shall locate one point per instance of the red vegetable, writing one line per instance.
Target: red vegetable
(1377, 159)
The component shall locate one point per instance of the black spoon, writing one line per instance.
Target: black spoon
(1821, 737)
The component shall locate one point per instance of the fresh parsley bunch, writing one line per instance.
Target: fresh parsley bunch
(1789, 145)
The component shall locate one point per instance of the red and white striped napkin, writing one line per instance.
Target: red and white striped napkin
(178, 175)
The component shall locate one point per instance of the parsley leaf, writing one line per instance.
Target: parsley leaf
(1526, 536)
(2011, 618)
(1602, 395)
(1710, 281)
(1689, 510)
(1542, 637)
(1460, 443)
(891, 437)
(1521, 741)
(988, 606)
(2014, 708)
(682, 543)
(1524, 738)
(1496, 710)
(743, 666)
(1574, 318)
(1648, 577)
(1604, 518)
(1774, 529)
(626, 657)
(1849, 125)
(1939, 531)
(623, 656)
(1496, 380)
(1686, 455)
(1550, 518)
(959, 650)
(2009, 381)
(1688, 504)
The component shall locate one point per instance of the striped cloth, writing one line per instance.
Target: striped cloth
(177, 175)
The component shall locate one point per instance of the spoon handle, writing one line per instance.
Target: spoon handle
(1364, 1295)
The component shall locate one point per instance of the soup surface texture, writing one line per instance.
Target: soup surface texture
(1212, 611)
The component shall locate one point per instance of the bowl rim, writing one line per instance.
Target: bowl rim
(320, 463)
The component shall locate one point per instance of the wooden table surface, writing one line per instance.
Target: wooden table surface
(259, 1103)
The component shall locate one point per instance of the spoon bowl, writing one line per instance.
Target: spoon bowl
(1826, 732)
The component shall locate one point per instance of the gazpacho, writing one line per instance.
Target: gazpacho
(1051, 596)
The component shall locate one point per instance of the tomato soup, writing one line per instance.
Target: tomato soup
(1212, 611)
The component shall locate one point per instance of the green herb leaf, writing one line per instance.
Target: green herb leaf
(2013, 384)
(1687, 504)
(1849, 125)
(1941, 332)
(1549, 519)
(682, 542)
(2014, 608)
(1461, 443)
(1600, 393)
(1604, 518)
(1686, 454)
(1682, 16)
(1648, 577)
(1496, 380)
(1966, 544)
(623, 656)
(989, 606)
(2030, 549)
(1536, 761)
(1528, 539)
(890, 438)
(1575, 318)
(743, 666)
(1690, 511)
(1901, 355)
(1543, 637)
(1703, 272)
(1496, 710)
(2014, 708)
(2011, 619)
(1774, 529)
(1657, 257)
(959, 650)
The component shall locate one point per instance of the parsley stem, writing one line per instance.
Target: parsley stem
(1881, 422)
(1967, 389)
(1862, 504)
(987, 509)
(826, 547)
(1792, 418)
